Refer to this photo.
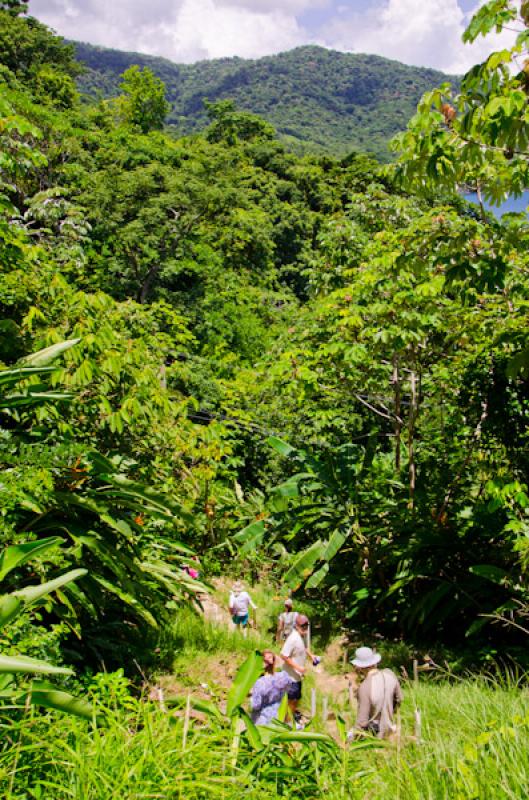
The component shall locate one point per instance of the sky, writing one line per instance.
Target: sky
(425, 33)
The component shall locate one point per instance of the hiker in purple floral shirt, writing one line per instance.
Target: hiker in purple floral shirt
(268, 691)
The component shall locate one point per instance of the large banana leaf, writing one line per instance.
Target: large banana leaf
(317, 577)
(304, 563)
(30, 666)
(246, 676)
(283, 448)
(334, 544)
(18, 554)
(30, 594)
(50, 697)
(44, 357)
(251, 536)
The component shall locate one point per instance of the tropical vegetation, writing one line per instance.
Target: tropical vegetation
(307, 370)
(318, 100)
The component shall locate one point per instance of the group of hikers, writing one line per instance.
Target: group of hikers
(378, 695)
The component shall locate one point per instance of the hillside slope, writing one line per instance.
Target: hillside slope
(317, 99)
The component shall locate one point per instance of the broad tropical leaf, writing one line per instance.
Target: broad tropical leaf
(49, 697)
(31, 594)
(44, 357)
(30, 666)
(245, 678)
(10, 608)
(251, 536)
(18, 554)
(304, 563)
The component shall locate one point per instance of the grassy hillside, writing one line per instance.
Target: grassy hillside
(317, 99)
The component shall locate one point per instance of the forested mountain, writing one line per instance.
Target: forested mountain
(317, 99)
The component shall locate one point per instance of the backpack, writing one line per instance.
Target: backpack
(289, 621)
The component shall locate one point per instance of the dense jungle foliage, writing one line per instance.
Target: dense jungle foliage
(318, 100)
(300, 359)
(305, 368)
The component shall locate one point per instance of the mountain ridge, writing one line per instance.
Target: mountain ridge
(318, 99)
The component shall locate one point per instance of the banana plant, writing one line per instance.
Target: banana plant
(315, 509)
(13, 605)
(25, 383)
(120, 529)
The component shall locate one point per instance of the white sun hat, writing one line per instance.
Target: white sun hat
(365, 657)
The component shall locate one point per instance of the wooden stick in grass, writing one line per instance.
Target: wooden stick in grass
(325, 709)
(415, 673)
(418, 726)
(187, 717)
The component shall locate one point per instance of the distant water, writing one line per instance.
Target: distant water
(511, 204)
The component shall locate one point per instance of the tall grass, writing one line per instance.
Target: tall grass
(127, 759)
(475, 745)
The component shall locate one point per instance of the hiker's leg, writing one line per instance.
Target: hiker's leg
(294, 696)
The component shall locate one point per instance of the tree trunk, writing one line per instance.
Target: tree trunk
(411, 437)
(145, 288)
(395, 379)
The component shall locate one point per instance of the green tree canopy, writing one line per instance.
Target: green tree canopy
(143, 103)
(477, 136)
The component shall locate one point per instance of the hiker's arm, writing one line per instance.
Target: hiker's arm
(280, 627)
(292, 664)
(252, 603)
(256, 699)
(398, 695)
(364, 708)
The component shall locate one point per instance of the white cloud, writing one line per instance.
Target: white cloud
(123, 24)
(421, 32)
(182, 30)
(226, 31)
(287, 6)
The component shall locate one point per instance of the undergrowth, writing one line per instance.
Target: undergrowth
(474, 741)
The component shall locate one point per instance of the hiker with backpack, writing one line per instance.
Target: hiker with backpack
(378, 695)
(286, 622)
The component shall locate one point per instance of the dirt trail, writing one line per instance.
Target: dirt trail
(332, 686)
(213, 612)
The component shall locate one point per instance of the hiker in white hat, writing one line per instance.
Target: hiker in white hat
(378, 695)
(239, 605)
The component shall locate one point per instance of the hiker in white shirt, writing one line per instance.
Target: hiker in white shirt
(294, 654)
(239, 605)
